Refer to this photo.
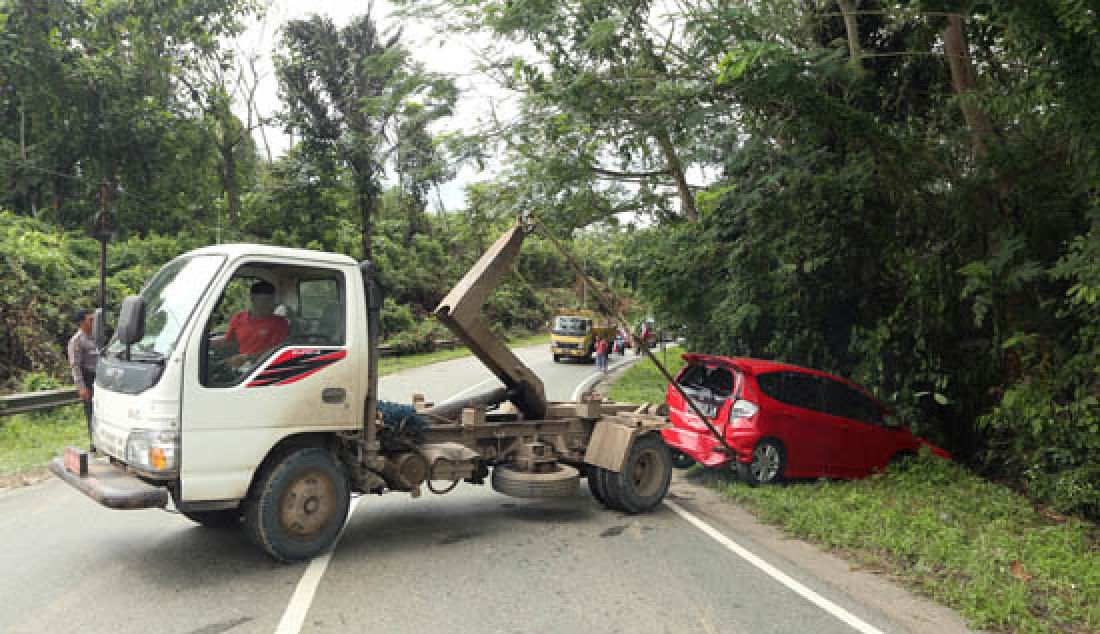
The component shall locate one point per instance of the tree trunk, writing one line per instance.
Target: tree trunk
(962, 79)
(851, 25)
(365, 196)
(229, 182)
(687, 201)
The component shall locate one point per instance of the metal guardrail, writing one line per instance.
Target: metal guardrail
(36, 401)
(49, 399)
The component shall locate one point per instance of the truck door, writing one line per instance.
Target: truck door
(265, 368)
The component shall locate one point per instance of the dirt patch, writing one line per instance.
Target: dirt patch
(26, 478)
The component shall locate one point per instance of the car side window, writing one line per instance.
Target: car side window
(841, 400)
(802, 390)
(771, 384)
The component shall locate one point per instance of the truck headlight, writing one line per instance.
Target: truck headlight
(153, 451)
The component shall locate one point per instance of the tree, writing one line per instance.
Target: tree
(345, 90)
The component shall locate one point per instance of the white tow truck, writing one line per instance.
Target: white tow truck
(274, 442)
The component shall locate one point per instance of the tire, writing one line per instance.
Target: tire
(557, 358)
(681, 460)
(644, 480)
(298, 505)
(769, 459)
(901, 461)
(595, 485)
(220, 520)
(521, 484)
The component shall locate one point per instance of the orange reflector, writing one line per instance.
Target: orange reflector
(157, 458)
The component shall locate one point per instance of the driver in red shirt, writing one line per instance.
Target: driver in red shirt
(258, 330)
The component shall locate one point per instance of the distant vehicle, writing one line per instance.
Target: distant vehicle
(574, 333)
(783, 421)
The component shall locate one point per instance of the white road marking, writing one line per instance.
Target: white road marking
(302, 598)
(596, 376)
(806, 593)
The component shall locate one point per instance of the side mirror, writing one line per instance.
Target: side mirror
(99, 328)
(131, 320)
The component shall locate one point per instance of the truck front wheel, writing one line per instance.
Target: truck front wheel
(298, 505)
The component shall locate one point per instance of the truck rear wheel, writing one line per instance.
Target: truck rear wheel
(298, 505)
(644, 479)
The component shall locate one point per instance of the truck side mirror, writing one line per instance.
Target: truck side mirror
(131, 320)
(99, 328)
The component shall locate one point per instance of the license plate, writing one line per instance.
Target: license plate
(76, 461)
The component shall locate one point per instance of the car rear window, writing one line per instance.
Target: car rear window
(802, 390)
(693, 376)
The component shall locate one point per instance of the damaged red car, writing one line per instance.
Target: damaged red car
(783, 421)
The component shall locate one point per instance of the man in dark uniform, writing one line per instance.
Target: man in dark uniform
(83, 356)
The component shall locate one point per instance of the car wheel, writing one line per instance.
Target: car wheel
(681, 460)
(644, 479)
(768, 462)
(901, 461)
(222, 520)
(557, 358)
(299, 505)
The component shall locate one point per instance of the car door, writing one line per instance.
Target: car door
(799, 423)
(844, 408)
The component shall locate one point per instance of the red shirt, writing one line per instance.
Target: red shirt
(256, 334)
(601, 347)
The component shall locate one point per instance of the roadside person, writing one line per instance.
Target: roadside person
(257, 330)
(601, 354)
(618, 348)
(83, 356)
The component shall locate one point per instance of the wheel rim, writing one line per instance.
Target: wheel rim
(307, 505)
(765, 462)
(646, 472)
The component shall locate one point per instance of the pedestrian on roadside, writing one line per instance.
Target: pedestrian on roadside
(617, 348)
(83, 356)
(601, 354)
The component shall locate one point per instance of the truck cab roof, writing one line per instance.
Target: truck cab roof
(239, 250)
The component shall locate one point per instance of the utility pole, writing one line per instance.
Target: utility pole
(102, 229)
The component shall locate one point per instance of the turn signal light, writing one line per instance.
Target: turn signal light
(157, 458)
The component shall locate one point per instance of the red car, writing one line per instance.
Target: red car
(783, 421)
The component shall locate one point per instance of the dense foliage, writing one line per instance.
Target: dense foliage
(903, 192)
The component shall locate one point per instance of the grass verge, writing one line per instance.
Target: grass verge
(968, 543)
(29, 441)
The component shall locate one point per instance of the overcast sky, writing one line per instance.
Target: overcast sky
(453, 55)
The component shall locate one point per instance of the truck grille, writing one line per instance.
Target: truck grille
(567, 346)
(110, 441)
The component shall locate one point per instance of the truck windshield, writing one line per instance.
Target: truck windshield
(571, 326)
(170, 298)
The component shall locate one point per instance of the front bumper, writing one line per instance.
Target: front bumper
(112, 486)
(571, 352)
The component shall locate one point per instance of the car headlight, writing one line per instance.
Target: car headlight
(153, 451)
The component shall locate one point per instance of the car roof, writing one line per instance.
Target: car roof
(763, 366)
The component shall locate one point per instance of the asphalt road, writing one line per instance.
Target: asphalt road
(469, 561)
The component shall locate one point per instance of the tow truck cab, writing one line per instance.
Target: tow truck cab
(180, 408)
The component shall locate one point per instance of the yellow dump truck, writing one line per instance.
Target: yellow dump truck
(574, 334)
